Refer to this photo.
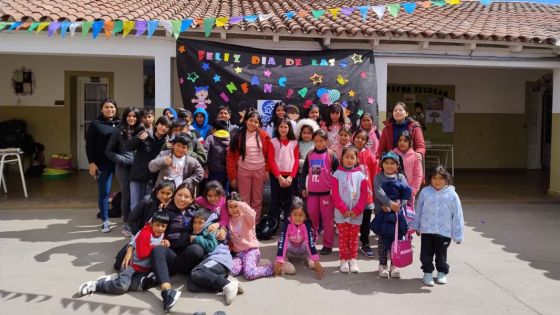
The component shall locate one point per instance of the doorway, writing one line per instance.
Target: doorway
(538, 112)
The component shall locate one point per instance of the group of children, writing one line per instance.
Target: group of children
(323, 175)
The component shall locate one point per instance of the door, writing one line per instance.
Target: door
(91, 92)
(533, 114)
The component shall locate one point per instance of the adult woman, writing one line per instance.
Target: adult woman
(116, 151)
(100, 167)
(394, 126)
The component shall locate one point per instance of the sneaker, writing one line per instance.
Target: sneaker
(126, 230)
(441, 278)
(353, 266)
(169, 297)
(383, 272)
(428, 279)
(239, 287)
(311, 264)
(395, 273)
(148, 281)
(87, 288)
(264, 262)
(344, 268)
(367, 251)
(230, 291)
(326, 250)
(105, 227)
(288, 268)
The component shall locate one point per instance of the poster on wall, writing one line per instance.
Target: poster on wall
(448, 115)
(213, 74)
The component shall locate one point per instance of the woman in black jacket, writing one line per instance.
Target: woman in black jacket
(116, 152)
(100, 167)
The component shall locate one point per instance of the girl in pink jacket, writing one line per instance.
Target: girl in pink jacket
(412, 165)
(213, 198)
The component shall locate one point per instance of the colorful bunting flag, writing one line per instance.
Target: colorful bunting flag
(53, 27)
(118, 27)
(394, 9)
(86, 26)
(290, 15)
(73, 27)
(409, 7)
(453, 2)
(235, 20)
(363, 11)
(96, 28)
(186, 24)
(166, 24)
(141, 27)
(334, 11)
(439, 3)
(207, 25)
(317, 13)
(3, 25)
(64, 27)
(221, 21)
(485, 2)
(264, 17)
(303, 13)
(152, 27)
(127, 28)
(31, 28)
(176, 28)
(379, 10)
(108, 26)
(15, 25)
(347, 11)
(426, 4)
(251, 18)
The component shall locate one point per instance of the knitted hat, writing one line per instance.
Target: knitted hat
(391, 155)
(219, 124)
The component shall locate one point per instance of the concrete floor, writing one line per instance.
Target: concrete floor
(508, 264)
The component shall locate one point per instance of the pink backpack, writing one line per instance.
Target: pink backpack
(401, 250)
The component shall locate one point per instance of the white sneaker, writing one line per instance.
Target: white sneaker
(239, 287)
(288, 268)
(230, 291)
(105, 227)
(87, 288)
(344, 268)
(311, 264)
(441, 278)
(428, 279)
(395, 273)
(383, 272)
(353, 266)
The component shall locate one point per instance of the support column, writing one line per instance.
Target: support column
(381, 76)
(554, 188)
(163, 83)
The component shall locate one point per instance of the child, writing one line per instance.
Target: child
(368, 161)
(314, 114)
(151, 203)
(216, 145)
(213, 198)
(316, 187)
(296, 239)
(246, 162)
(412, 169)
(224, 113)
(439, 219)
(148, 118)
(333, 123)
(135, 275)
(304, 133)
(349, 197)
(386, 182)
(366, 123)
(344, 136)
(279, 112)
(170, 113)
(283, 157)
(212, 273)
(243, 241)
(177, 164)
(201, 122)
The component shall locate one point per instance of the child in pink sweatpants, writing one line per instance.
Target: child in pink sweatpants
(317, 170)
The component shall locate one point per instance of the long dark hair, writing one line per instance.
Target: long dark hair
(162, 120)
(333, 109)
(239, 141)
(439, 170)
(291, 135)
(183, 185)
(274, 120)
(128, 131)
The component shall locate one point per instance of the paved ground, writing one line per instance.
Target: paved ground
(509, 263)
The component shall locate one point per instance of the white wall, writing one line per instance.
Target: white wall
(477, 90)
(49, 75)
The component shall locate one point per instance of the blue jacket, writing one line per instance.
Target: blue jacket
(384, 226)
(205, 128)
(440, 212)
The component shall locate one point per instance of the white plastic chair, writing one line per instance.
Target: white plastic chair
(11, 155)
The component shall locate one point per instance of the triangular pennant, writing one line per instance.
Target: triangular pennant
(303, 13)
(317, 13)
(176, 28)
(334, 12)
(221, 21)
(127, 28)
(251, 18)
(15, 25)
(235, 19)
(73, 27)
(426, 4)
(141, 27)
(24, 25)
(409, 7)
(347, 11)
(453, 2)
(31, 28)
(485, 2)
(96, 28)
(108, 25)
(186, 24)
(166, 24)
(152, 27)
(379, 10)
(119, 25)
(53, 27)
(264, 17)
(439, 3)
(64, 27)
(3, 25)
(363, 11)
(207, 25)
(394, 9)
(290, 15)
(86, 26)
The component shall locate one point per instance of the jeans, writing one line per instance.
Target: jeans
(123, 177)
(127, 280)
(137, 191)
(208, 276)
(104, 189)
(165, 261)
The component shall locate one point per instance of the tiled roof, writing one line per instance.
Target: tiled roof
(510, 22)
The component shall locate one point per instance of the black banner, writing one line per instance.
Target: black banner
(213, 74)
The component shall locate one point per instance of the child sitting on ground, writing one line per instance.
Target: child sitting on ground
(135, 275)
(151, 203)
(214, 199)
(211, 275)
(296, 240)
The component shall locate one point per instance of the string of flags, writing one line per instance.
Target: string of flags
(176, 27)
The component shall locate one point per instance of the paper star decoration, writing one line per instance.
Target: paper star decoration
(267, 73)
(370, 100)
(363, 74)
(352, 93)
(205, 66)
(356, 58)
(343, 64)
(341, 80)
(238, 70)
(181, 81)
(316, 78)
(182, 49)
(217, 78)
(192, 77)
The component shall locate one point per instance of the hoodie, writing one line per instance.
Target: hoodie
(386, 141)
(412, 169)
(216, 145)
(220, 209)
(173, 111)
(203, 129)
(143, 243)
(349, 193)
(440, 212)
(242, 235)
(293, 235)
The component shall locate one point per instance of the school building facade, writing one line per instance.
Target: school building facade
(501, 63)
